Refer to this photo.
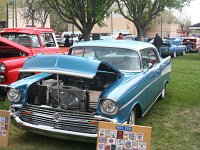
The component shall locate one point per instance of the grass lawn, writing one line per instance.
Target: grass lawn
(175, 121)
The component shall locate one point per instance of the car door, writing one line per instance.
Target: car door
(151, 65)
(50, 44)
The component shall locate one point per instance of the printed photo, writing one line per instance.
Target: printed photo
(135, 144)
(126, 133)
(101, 146)
(113, 134)
(140, 137)
(113, 147)
(119, 142)
(131, 136)
(102, 132)
(102, 139)
(107, 147)
(111, 141)
(119, 147)
(120, 134)
(128, 144)
(142, 145)
(2, 119)
(107, 132)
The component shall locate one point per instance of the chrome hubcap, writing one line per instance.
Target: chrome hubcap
(132, 118)
(174, 54)
(163, 93)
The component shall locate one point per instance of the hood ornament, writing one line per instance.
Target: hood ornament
(56, 117)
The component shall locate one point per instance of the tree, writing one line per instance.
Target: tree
(167, 18)
(185, 23)
(35, 10)
(42, 12)
(84, 14)
(142, 12)
(56, 23)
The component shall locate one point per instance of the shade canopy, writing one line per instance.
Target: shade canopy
(195, 26)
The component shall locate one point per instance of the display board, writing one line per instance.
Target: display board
(112, 136)
(4, 127)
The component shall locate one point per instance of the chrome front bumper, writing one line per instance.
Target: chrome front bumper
(71, 126)
(50, 131)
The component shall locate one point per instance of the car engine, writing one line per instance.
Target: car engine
(69, 93)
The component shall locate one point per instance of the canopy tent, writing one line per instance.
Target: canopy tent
(195, 26)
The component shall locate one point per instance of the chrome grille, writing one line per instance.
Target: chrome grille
(67, 120)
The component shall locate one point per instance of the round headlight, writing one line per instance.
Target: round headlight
(2, 67)
(109, 107)
(14, 95)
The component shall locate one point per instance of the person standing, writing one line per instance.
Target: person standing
(120, 37)
(68, 41)
(158, 42)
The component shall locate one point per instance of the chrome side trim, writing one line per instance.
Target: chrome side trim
(51, 129)
(167, 68)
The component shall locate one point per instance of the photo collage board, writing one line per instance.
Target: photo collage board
(113, 136)
(4, 127)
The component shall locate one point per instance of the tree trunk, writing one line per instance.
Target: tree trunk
(86, 33)
(141, 31)
(86, 36)
(32, 21)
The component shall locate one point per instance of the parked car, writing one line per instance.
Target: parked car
(17, 44)
(113, 81)
(130, 37)
(192, 43)
(172, 48)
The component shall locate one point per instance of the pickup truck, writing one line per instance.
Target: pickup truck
(17, 44)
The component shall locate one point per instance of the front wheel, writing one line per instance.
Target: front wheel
(183, 53)
(132, 117)
(174, 55)
(24, 75)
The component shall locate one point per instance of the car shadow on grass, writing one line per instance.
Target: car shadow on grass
(40, 142)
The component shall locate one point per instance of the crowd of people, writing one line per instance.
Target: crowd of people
(157, 40)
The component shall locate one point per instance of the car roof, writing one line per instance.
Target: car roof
(135, 45)
(28, 30)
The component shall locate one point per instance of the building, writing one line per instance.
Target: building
(11, 16)
(116, 23)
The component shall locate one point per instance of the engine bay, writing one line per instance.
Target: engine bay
(68, 92)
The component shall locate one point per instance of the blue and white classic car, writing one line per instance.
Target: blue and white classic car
(113, 81)
(172, 48)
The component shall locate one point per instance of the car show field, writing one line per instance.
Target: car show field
(174, 120)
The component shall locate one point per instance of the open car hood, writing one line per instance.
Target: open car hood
(6, 42)
(67, 65)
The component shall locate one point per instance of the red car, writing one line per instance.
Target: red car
(192, 43)
(17, 44)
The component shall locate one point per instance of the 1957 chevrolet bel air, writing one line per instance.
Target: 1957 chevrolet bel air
(113, 81)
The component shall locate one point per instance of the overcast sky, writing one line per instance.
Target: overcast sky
(193, 11)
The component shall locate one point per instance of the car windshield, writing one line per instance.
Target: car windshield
(28, 40)
(122, 59)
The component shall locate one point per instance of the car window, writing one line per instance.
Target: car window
(149, 57)
(122, 59)
(48, 39)
(28, 40)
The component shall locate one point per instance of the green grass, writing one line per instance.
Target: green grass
(175, 121)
